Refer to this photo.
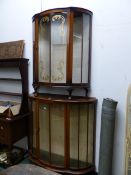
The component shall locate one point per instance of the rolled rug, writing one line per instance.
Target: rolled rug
(107, 136)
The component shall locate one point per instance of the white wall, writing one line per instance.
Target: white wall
(111, 53)
(16, 23)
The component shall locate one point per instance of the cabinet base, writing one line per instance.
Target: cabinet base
(65, 171)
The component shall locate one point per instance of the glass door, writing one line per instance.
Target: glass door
(81, 135)
(52, 45)
(81, 36)
(51, 134)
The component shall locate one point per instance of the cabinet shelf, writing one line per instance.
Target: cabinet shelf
(10, 79)
(9, 123)
(11, 93)
(12, 62)
(21, 65)
(63, 98)
(14, 112)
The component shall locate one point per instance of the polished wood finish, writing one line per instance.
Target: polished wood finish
(62, 127)
(62, 100)
(14, 128)
(22, 64)
(69, 50)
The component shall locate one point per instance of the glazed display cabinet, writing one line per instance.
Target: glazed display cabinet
(62, 132)
(62, 47)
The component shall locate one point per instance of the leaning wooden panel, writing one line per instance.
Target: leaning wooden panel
(128, 134)
(13, 49)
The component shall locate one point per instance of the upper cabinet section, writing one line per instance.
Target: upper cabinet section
(62, 47)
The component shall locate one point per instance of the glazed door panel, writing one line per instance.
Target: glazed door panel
(58, 47)
(81, 135)
(44, 49)
(62, 40)
(57, 134)
(44, 131)
(51, 133)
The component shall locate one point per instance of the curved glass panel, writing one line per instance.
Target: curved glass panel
(74, 135)
(58, 47)
(44, 49)
(81, 135)
(44, 131)
(85, 56)
(77, 48)
(57, 134)
(80, 69)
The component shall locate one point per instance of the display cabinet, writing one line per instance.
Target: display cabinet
(62, 47)
(14, 112)
(62, 135)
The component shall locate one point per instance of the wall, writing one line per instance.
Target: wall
(111, 53)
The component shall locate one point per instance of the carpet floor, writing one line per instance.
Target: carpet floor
(27, 161)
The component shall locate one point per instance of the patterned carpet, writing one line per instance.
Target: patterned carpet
(26, 163)
(26, 169)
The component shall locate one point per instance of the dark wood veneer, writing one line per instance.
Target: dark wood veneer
(14, 128)
(63, 121)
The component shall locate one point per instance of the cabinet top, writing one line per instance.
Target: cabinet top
(66, 9)
(12, 61)
(63, 98)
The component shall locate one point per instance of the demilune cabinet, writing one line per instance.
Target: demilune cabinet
(62, 132)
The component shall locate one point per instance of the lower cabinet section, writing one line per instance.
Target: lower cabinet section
(12, 129)
(62, 137)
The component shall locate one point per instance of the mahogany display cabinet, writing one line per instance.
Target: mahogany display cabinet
(62, 47)
(62, 134)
